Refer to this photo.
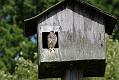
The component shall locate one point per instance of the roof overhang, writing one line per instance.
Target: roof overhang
(31, 23)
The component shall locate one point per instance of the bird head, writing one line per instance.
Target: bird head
(52, 31)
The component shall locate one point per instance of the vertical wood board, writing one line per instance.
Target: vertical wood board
(80, 34)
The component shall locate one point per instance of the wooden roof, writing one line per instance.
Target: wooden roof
(31, 23)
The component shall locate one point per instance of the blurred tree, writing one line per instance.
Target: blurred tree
(110, 6)
(33, 7)
(12, 41)
(26, 70)
(6, 76)
(13, 44)
(112, 59)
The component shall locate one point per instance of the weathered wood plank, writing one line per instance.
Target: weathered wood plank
(66, 23)
(46, 54)
(80, 34)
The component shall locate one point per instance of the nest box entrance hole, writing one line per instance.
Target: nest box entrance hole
(45, 40)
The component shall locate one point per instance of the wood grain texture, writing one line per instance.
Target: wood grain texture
(73, 74)
(80, 34)
(51, 79)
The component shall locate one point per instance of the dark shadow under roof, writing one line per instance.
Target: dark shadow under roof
(31, 23)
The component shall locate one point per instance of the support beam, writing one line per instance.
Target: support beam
(73, 74)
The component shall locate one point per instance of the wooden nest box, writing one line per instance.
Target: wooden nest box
(71, 34)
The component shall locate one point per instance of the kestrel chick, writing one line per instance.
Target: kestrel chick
(52, 40)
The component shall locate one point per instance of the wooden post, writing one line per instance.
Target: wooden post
(73, 74)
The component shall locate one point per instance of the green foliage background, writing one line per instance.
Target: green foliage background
(18, 54)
